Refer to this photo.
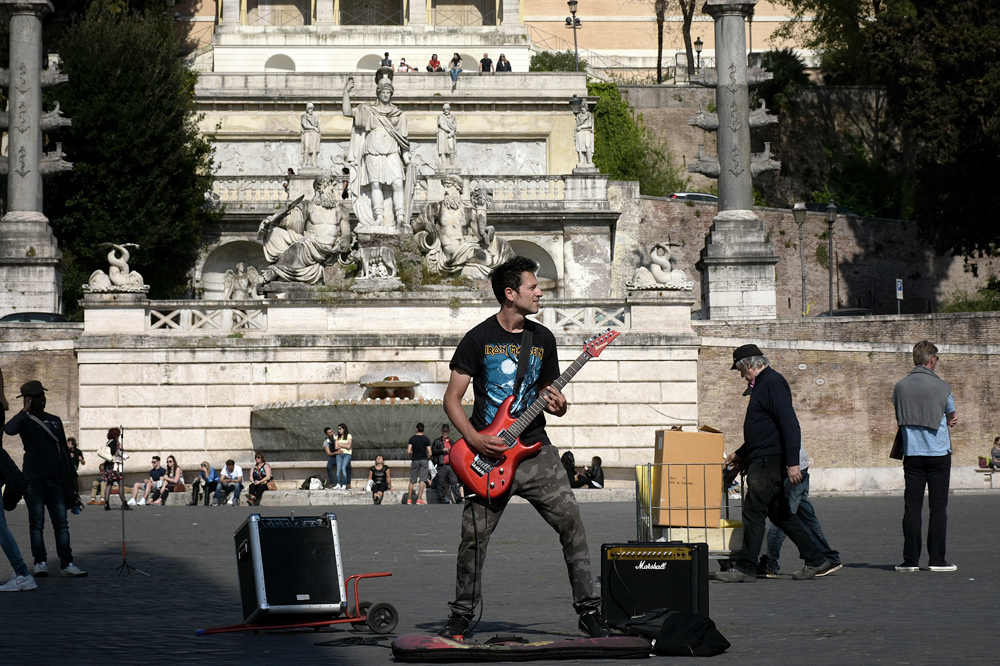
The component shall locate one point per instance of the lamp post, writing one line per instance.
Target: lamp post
(831, 217)
(697, 49)
(799, 213)
(574, 23)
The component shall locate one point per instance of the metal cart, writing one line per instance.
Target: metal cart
(674, 503)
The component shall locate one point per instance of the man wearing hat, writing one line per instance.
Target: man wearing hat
(770, 453)
(44, 442)
(447, 482)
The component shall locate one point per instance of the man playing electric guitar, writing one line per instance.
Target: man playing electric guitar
(489, 356)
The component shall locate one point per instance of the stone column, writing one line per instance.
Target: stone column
(29, 254)
(418, 13)
(510, 19)
(324, 12)
(737, 263)
(231, 12)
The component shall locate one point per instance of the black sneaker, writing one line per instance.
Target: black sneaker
(457, 627)
(594, 625)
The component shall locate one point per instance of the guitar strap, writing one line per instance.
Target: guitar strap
(523, 356)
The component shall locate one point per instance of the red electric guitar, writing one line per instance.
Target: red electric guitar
(492, 477)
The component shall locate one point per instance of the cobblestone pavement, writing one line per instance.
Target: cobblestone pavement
(864, 614)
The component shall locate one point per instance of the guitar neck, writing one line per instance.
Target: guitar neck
(529, 415)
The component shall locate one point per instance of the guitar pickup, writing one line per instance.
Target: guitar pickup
(482, 465)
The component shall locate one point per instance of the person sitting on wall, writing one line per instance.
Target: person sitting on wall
(206, 482)
(154, 480)
(434, 65)
(995, 454)
(259, 478)
(592, 477)
(386, 62)
(230, 481)
(380, 478)
(173, 480)
(403, 67)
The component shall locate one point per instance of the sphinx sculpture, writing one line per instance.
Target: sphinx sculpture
(659, 274)
(455, 237)
(119, 277)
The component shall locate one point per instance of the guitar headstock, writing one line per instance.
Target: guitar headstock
(596, 344)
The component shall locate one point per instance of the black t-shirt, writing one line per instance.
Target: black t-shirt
(489, 354)
(41, 452)
(486, 65)
(419, 444)
(77, 456)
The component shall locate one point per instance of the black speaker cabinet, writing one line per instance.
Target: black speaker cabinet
(640, 577)
(289, 566)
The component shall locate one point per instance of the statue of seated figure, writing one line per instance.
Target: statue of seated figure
(306, 235)
(454, 236)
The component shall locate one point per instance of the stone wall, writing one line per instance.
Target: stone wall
(44, 352)
(870, 254)
(842, 373)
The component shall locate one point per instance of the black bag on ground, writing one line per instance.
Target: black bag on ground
(677, 634)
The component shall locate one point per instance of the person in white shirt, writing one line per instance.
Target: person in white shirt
(230, 481)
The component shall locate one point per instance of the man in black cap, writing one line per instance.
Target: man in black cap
(44, 443)
(446, 481)
(772, 440)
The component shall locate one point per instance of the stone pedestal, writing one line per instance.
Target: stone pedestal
(737, 269)
(510, 20)
(418, 14)
(324, 13)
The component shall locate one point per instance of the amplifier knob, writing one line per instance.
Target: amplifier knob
(501, 470)
(492, 485)
(503, 482)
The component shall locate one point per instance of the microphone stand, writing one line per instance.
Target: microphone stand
(124, 567)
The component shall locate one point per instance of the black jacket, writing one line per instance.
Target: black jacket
(770, 426)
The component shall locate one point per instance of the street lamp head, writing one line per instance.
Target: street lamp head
(698, 44)
(572, 6)
(799, 213)
(831, 212)
(569, 22)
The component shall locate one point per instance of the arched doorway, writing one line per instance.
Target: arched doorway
(548, 274)
(279, 63)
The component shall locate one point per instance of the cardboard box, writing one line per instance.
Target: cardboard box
(687, 490)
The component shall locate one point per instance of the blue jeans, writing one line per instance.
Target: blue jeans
(10, 548)
(807, 516)
(42, 494)
(331, 470)
(222, 491)
(766, 500)
(454, 74)
(343, 462)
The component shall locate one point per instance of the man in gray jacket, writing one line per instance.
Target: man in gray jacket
(925, 408)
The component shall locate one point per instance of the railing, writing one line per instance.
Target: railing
(262, 190)
(222, 318)
(521, 188)
(366, 16)
(584, 316)
(597, 64)
(276, 17)
(447, 18)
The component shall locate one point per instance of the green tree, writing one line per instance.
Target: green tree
(626, 150)
(141, 168)
(939, 61)
(790, 79)
(555, 61)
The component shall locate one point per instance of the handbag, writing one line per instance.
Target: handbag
(271, 485)
(369, 484)
(897, 445)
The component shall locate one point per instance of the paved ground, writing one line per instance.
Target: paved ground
(865, 614)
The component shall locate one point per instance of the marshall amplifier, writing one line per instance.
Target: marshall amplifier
(289, 566)
(640, 577)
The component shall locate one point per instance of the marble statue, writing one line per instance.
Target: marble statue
(379, 153)
(584, 132)
(454, 236)
(446, 132)
(660, 274)
(310, 137)
(119, 277)
(306, 235)
(242, 284)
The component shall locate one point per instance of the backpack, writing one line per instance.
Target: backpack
(437, 451)
(677, 634)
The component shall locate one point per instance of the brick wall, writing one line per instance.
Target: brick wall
(842, 373)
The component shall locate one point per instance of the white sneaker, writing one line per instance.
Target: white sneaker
(41, 570)
(131, 501)
(72, 571)
(947, 566)
(142, 502)
(19, 584)
(230, 502)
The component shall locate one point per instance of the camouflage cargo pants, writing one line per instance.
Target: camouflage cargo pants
(542, 481)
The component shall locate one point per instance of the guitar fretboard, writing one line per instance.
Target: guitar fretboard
(533, 410)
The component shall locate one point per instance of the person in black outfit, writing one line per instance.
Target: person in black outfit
(446, 483)
(419, 450)
(772, 440)
(593, 477)
(380, 477)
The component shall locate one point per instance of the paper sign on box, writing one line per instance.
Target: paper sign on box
(688, 489)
